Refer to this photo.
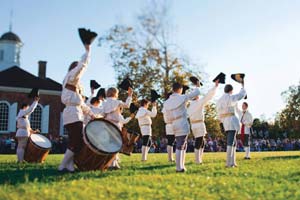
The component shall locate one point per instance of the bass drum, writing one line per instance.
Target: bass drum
(102, 141)
(37, 149)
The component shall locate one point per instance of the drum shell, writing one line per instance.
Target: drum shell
(89, 158)
(128, 144)
(34, 153)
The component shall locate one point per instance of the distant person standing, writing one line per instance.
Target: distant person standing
(144, 119)
(246, 120)
(226, 113)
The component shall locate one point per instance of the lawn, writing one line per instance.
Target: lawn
(268, 175)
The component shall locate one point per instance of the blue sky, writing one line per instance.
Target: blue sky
(259, 38)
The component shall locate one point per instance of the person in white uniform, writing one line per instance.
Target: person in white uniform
(75, 110)
(196, 114)
(24, 129)
(226, 107)
(246, 120)
(94, 104)
(111, 110)
(175, 112)
(144, 119)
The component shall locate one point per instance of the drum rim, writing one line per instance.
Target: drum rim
(93, 146)
(40, 146)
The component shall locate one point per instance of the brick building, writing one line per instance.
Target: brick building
(16, 83)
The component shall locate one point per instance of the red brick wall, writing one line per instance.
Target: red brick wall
(54, 102)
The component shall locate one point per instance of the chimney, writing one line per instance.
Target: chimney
(42, 69)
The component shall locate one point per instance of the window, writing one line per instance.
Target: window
(4, 110)
(1, 55)
(36, 118)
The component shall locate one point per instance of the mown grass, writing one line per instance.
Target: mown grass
(269, 175)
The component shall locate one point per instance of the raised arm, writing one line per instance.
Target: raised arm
(239, 96)
(128, 101)
(153, 112)
(30, 109)
(76, 73)
(211, 93)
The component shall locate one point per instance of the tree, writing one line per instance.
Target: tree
(289, 117)
(147, 54)
(211, 122)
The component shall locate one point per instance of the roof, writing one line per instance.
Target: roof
(17, 77)
(11, 37)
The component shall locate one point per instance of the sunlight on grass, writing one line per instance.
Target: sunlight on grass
(268, 175)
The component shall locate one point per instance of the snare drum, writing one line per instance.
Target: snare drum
(37, 148)
(102, 141)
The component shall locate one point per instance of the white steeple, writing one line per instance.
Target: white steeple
(10, 49)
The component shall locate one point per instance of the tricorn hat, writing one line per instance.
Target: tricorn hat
(34, 93)
(94, 84)
(101, 93)
(238, 77)
(185, 88)
(154, 96)
(125, 84)
(194, 80)
(221, 77)
(86, 36)
(133, 108)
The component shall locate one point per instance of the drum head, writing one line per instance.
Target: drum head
(40, 141)
(104, 136)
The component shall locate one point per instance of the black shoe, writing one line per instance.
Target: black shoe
(180, 171)
(64, 170)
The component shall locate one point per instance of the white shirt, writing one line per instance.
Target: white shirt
(196, 112)
(227, 104)
(23, 123)
(175, 112)
(246, 119)
(97, 111)
(111, 109)
(75, 106)
(123, 120)
(144, 118)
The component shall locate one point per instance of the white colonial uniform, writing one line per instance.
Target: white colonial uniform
(111, 109)
(226, 110)
(196, 113)
(23, 131)
(144, 118)
(226, 107)
(246, 120)
(23, 123)
(74, 111)
(75, 106)
(175, 112)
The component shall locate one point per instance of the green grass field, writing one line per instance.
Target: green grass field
(269, 175)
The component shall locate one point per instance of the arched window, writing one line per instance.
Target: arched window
(36, 118)
(4, 112)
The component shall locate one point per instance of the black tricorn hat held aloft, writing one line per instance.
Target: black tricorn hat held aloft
(34, 93)
(87, 36)
(94, 84)
(238, 77)
(101, 93)
(133, 108)
(154, 96)
(221, 77)
(194, 80)
(125, 84)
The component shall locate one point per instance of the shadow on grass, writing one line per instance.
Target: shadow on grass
(281, 157)
(12, 174)
(154, 167)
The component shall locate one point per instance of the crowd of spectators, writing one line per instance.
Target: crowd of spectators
(159, 145)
